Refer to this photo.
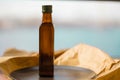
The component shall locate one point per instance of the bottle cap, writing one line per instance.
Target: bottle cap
(47, 8)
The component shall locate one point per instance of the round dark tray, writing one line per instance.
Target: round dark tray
(60, 73)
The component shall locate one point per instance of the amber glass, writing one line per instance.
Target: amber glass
(46, 46)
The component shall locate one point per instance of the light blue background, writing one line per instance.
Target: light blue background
(27, 38)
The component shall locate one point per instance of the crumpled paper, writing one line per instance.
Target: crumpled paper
(105, 67)
(14, 59)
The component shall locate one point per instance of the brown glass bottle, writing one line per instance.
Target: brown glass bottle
(46, 43)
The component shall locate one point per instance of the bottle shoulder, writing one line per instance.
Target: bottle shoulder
(46, 25)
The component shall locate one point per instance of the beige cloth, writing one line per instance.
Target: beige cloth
(81, 55)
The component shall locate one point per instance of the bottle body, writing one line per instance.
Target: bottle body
(46, 50)
(46, 43)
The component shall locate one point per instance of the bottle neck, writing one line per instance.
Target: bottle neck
(47, 18)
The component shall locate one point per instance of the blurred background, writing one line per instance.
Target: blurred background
(96, 23)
